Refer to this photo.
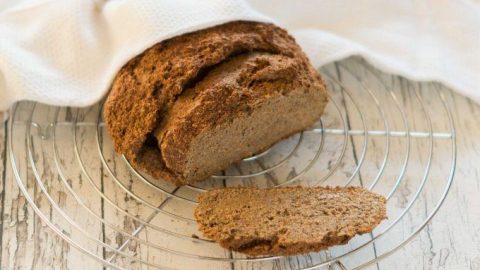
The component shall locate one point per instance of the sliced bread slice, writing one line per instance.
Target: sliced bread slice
(287, 220)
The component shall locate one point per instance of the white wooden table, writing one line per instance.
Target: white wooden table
(450, 241)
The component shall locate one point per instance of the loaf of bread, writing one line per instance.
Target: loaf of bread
(287, 220)
(189, 106)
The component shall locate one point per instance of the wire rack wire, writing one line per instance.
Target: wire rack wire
(65, 165)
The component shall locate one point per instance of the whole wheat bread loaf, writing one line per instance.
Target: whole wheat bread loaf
(287, 220)
(189, 106)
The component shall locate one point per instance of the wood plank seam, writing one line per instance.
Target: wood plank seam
(3, 174)
(102, 203)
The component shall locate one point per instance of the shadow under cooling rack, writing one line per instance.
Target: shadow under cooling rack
(371, 135)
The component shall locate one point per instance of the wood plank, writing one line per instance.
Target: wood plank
(18, 224)
(81, 186)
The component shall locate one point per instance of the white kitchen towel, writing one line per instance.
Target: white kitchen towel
(66, 52)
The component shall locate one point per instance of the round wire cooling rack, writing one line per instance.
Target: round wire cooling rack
(375, 133)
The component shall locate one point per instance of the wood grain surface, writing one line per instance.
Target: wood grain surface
(450, 241)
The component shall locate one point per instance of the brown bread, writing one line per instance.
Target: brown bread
(287, 220)
(189, 106)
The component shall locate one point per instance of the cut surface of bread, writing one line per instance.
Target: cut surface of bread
(174, 110)
(287, 220)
